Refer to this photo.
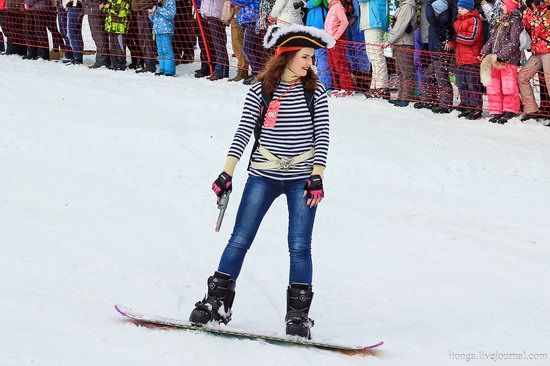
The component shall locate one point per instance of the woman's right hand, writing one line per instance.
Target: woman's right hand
(222, 184)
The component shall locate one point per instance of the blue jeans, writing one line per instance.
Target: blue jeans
(259, 193)
(219, 41)
(469, 86)
(252, 47)
(74, 31)
(62, 21)
(165, 50)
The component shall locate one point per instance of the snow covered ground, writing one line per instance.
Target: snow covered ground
(434, 234)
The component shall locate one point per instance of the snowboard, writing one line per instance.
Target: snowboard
(167, 323)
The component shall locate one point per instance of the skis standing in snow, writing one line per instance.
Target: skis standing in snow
(288, 112)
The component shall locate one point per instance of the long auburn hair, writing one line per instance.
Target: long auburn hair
(271, 74)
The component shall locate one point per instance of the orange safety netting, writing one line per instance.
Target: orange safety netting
(222, 45)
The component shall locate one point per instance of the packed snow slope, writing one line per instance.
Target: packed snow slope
(433, 237)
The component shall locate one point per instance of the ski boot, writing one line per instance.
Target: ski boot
(298, 301)
(216, 305)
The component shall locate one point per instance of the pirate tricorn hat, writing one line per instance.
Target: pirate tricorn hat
(294, 37)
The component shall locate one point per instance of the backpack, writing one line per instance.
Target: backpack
(266, 99)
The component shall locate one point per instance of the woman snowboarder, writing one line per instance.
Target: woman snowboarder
(288, 112)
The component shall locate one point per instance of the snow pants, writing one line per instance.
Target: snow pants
(323, 70)
(167, 63)
(374, 38)
(341, 76)
(100, 37)
(503, 93)
(404, 63)
(117, 49)
(535, 64)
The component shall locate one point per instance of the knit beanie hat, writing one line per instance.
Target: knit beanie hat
(466, 4)
(441, 5)
(511, 5)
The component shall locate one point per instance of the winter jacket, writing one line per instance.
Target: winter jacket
(469, 38)
(212, 8)
(374, 14)
(538, 27)
(402, 32)
(163, 17)
(492, 12)
(248, 12)
(265, 11)
(337, 21)
(285, 13)
(118, 14)
(424, 24)
(317, 13)
(505, 39)
(440, 30)
(138, 5)
(36, 5)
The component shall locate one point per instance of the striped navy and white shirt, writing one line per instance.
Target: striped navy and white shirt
(294, 132)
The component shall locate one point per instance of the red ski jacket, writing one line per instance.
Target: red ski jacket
(469, 38)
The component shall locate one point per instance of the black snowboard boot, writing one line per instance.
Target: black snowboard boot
(298, 301)
(216, 305)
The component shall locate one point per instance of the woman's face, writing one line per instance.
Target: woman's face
(301, 62)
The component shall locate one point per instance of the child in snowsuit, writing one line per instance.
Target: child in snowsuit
(402, 37)
(162, 17)
(499, 69)
(116, 26)
(335, 25)
(469, 41)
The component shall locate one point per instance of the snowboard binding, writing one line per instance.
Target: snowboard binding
(216, 305)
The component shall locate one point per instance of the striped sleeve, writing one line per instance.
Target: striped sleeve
(251, 112)
(321, 126)
(472, 34)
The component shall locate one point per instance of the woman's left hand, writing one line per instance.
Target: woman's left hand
(314, 190)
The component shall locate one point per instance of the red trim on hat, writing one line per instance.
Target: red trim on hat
(283, 49)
